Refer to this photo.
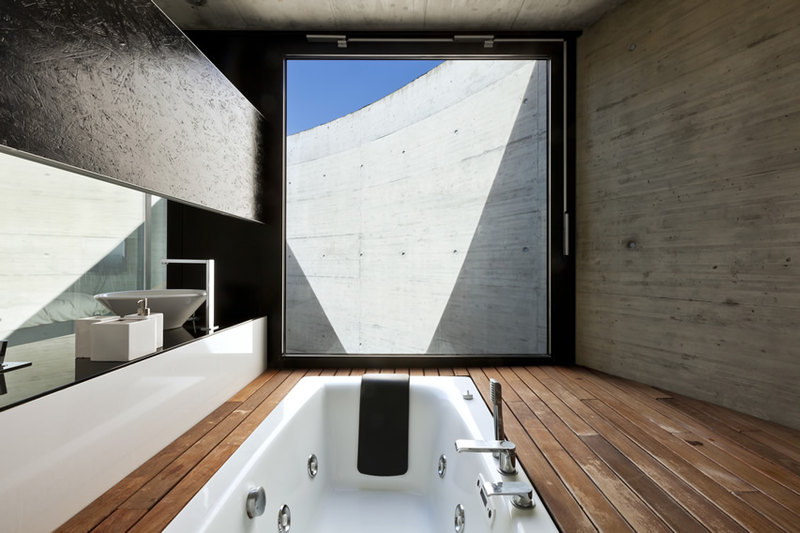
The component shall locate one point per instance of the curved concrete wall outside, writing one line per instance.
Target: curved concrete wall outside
(418, 224)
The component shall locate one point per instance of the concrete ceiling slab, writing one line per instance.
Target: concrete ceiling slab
(385, 15)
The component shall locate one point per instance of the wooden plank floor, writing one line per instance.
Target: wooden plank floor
(604, 454)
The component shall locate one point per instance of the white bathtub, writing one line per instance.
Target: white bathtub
(320, 416)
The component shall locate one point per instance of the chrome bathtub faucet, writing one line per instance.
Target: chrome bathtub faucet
(507, 452)
(522, 493)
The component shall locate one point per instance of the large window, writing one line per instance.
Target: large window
(418, 206)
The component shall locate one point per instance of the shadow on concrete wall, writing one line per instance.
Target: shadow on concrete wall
(499, 302)
(117, 271)
(308, 329)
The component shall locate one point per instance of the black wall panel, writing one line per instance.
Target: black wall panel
(254, 64)
(242, 254)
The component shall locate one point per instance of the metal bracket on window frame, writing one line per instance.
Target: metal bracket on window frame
(342, 40)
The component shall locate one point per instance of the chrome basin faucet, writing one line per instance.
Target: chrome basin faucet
(209, 263)
(507, 452)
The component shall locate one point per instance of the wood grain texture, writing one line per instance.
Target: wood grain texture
(116, 89)
(688, 185)
(604, 454)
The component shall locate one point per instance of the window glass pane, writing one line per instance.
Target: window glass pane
(417, 222)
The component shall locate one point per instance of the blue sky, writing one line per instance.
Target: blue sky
(320, 90)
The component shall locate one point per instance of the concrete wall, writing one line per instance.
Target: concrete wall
(689, 150)
(54, 227)
(418, 223)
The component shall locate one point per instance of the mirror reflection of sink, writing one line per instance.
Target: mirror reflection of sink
(177, 305)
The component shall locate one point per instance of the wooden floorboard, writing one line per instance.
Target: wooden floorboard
(564, 457)
(619, 495)
(568, 386)
(770, 447)
(733, 452)
(604, 454)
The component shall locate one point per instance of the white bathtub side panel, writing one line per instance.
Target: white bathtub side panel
(63, 450)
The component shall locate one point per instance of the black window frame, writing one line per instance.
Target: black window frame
(559, 49)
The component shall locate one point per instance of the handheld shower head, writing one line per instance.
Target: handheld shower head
(496, 396)
(495, 392)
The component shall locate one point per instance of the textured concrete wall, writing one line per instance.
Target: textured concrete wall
(115, 88)
(418, 223)
(689, 146)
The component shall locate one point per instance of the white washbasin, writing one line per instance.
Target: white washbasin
(177, 305)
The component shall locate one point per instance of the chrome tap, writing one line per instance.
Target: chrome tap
(209, 263)
(507, 452)
(522, 492)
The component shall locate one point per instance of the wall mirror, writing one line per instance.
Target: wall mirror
(65, 237)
